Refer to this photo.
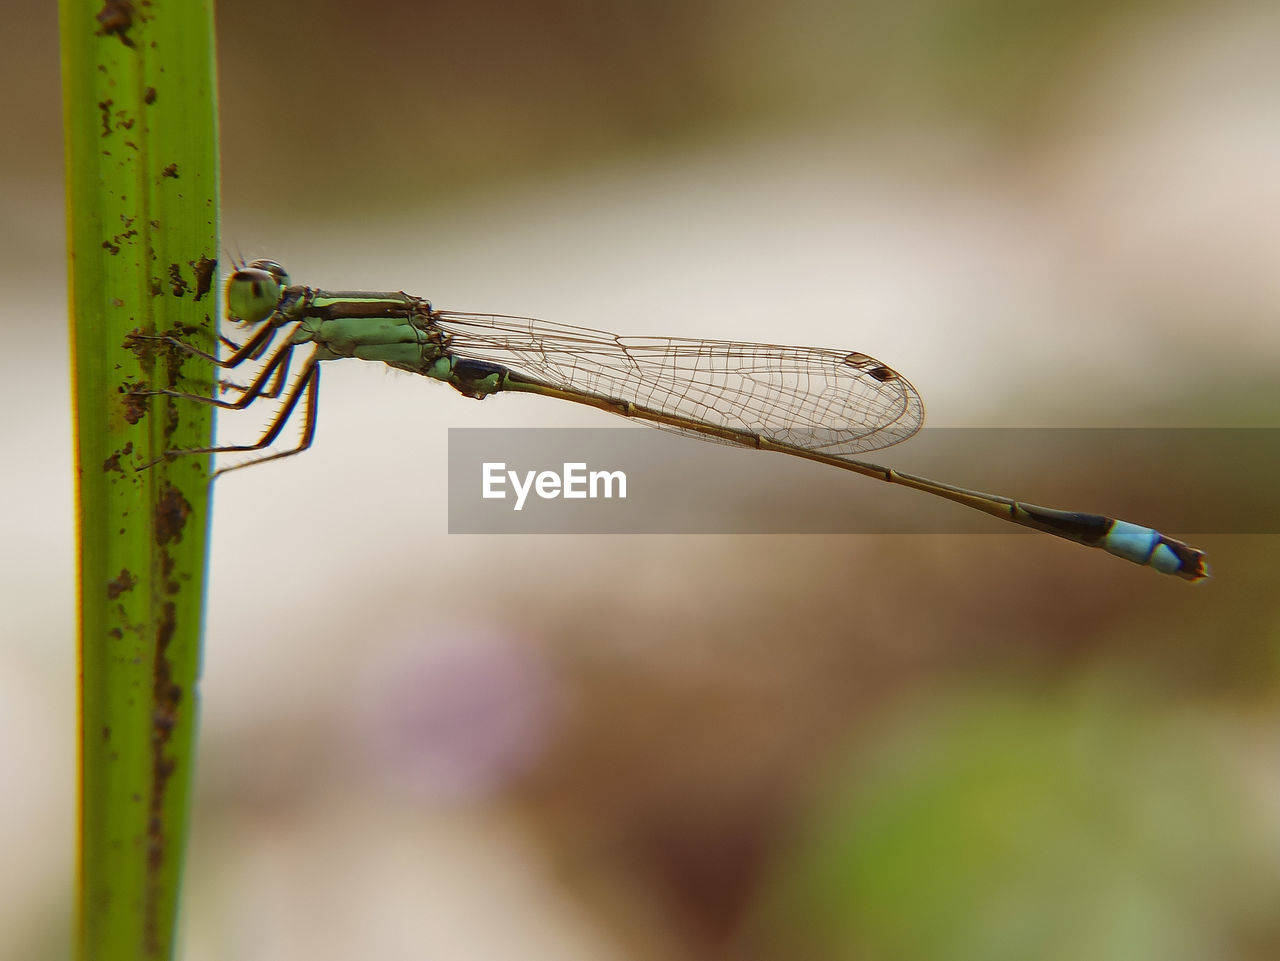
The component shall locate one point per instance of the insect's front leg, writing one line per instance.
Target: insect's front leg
(252, 349)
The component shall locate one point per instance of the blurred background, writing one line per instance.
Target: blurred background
(418, 745)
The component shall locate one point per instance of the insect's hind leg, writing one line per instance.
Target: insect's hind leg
(308, 388)
(304, 391)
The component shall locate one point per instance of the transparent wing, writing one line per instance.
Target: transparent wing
(837, 402)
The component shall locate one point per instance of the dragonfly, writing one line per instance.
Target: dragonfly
(819, 404)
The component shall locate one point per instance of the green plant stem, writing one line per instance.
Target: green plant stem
(142, 183)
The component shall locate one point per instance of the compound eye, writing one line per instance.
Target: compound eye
(274, 269)
(253, 291)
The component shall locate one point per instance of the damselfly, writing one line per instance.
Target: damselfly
(822, 405)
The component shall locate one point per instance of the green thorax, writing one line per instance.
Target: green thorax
(391, 328)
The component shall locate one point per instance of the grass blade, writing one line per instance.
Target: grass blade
(142, 181)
